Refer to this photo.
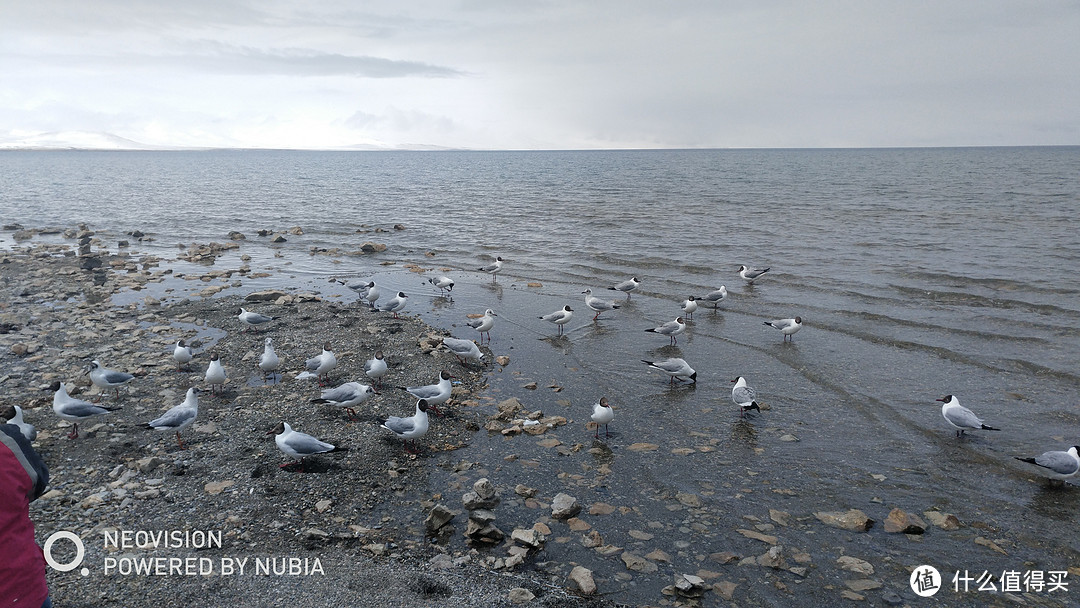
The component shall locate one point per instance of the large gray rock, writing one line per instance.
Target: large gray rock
(564, 506)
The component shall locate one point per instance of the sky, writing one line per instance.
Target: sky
(485, 74)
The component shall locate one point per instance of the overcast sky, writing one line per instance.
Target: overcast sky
(539, 75)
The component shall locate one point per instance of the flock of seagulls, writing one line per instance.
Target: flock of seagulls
(1056, 465)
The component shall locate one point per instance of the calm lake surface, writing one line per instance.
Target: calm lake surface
(918, 273)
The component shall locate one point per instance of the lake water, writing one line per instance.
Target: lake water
(918, 273)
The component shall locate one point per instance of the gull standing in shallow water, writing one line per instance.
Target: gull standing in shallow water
(1058, 466)
(376, 368)
(108, 378)
(346, 396)
(411, 428)
(445, 284)
(714, 297)
(744, 396)
(369, 292)
(597, 305)
(559, 317)
(627, 286)
(299, 445)
(750, 274)
(253, 319)
(269, 361)
(464, 350)
(215, 375)
(689, 306)
(602, 414)
(182, 354)
(179, 417)
(674, 367)
(786, 326)
(14, 415)
(493, 268)
(322, 364)
(483, 324)
(960, 417)
(75, 410)
(670, 329)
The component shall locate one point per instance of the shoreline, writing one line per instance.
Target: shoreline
(117, 476)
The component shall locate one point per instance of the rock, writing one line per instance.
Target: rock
(502, 360)
(765, 538)
(524, 491)
(851, 595)
(637, 563)
(19, 349)
(483, 516)
(601, 508)
(564, 506)
(643, 447)
(945, 521)
(863, 584)
(780, 517)
(471, 501)
(279, 239)
(902, 522)
(509, 408)
(323, 505)
(690, 500)
(441, 561)
(439, 516)
(269, 295)
(370, 247)
(529, 537)
(725, 557)
(521, 595)
(773, 558)
(237, 236)
(296, 230)
(854, 519)
(854, 564)
(726, 590)
(484, 488)
(581, 580)
(690, 586)
(217, 487)
(989, 544)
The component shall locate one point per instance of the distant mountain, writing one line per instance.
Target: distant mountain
(73, 140)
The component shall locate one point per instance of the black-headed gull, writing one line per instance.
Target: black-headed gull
(714, 297)
(108, 378)
(670, 329)
(786, 326)
(14, 415)
(493, 268)
(410, 428)
(376, 368)
(346, 396)
(483, 324)
(179, 417)
(215, 375)
(674, 367)
(182, 354)
(559, 317)
(689, 306)
(269, 362)
(295, 444)
(1058, 465)
(253, 319)
(75, 410)
(395, 304)
(744, 396)
(602, 414)
(960, 417)
(434, 394)
(627, 286)
(750, 274)
(597, 305)
(444, 284)
(322, 364)
(464, 350)
(369, 292)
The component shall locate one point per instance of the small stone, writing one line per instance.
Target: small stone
(637, 563)
(521, 595)
(788, 438)
(863, 584)
(900, 521)
(690, 500)
(502, 360)
(725, 589)
(989, 544)
(484, 488)
(439, 516)
(371, 247)
(854, 519)
(854, 564)
(643, 447)
(601, 508)
(780, 517)
(531, 538)
(773, 558)
(217, 487)
(581, 580)
(765, 538)
(725, 557)
(945, 521)
(278, 239)
(851, 595)
(524, 491)
(147, 465)
(564, 506)
(639, 535)
(323, 505)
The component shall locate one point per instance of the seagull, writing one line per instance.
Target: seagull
(464, 350)
(215, 375)
(670, 329)
(786, 326)
(750, 274)
(395, 304)
(689, 306)
(483, 324)
(375, 367)
(323, 364)
(75, 410)
(744, 396)
(269, 361)
(434, 394)
(714, 297)
(368, 293)
(602, 414)
(1059, 465)
(253, 319)
(299, 445)
(444, 284)
(493, 268)
(627, 286)
(559, 317)
(597, 305)
(14, 415)
(346, 396)
(413, 427)
(182, 354)
(107, 378)
(179, 417)
(674, 367)
(960, 417)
